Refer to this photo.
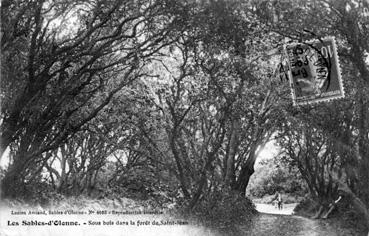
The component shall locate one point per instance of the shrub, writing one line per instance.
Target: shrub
(222, 209)
(343, 216)
(307, 207)
(40, 193)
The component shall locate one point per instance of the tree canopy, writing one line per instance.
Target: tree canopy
(176, 99)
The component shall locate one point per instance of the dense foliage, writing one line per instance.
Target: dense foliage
(174, 100)
(273, 176)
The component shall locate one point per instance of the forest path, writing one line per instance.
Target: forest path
(270, 209)
(285, 224)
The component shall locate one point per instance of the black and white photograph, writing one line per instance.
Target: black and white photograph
(184, 118)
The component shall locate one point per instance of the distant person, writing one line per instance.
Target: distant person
(279, 201)
(278, 197)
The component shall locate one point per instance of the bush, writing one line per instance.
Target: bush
(307, 207)
(344, 216)
(224, 209)
(40, 193)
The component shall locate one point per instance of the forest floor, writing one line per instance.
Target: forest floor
(272, 221)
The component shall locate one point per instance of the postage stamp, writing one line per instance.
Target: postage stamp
(314, 73)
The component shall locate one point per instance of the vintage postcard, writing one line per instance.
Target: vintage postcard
(175, 117)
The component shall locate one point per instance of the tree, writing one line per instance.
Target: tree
(56, 78)
(274, 175)
(314, 154)
(345, 21)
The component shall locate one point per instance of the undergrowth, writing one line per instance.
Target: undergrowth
(222, 210)
(343, 216)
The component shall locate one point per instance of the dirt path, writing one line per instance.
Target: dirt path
(270, 209)
(284, 224)
(290, 225)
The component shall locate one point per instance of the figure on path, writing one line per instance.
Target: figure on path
(278, 197)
